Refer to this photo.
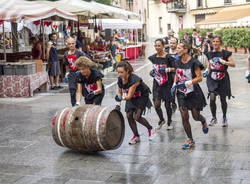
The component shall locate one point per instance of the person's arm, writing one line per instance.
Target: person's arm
(99, 87)
(39, 47)
(230, 61)
(79, 93)
(198, 77)
(48, 50)
(119, 91)
(131, 91)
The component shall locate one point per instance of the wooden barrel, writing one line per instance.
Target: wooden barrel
(88, 128)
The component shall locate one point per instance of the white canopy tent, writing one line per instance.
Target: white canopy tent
(245, 21)
(120, 24)
(20, 10)
(116, 11)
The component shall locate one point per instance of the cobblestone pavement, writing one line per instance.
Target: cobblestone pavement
(29, 155)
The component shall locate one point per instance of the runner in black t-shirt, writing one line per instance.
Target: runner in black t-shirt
(172, 51)
(137, 99)
(163, 66)
(69, 60)
(218, 81)
(189, 93)
(89, 82)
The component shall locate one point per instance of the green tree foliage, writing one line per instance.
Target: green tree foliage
(235, 37)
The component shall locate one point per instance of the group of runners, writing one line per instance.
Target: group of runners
(176, 75)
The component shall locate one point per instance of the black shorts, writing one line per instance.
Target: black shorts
(221, 87)
(134, 104)
(194, 100)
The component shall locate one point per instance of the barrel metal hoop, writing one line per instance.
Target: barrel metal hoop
(83, 126)
(97, 128)
(58, 126)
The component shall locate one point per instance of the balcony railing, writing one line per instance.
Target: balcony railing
(177, 6)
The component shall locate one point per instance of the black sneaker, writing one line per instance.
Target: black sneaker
(53, 88)
(59, 87)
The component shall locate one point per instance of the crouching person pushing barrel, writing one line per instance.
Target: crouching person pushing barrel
(89, 82)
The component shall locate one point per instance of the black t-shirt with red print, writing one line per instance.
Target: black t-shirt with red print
(218, 69)
(161, 62)
(141, 90)
(90, 84)
(186, 72)
(70, 59)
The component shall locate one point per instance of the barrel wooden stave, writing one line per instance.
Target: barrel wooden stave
(88, 128)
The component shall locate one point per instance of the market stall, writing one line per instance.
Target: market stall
(21, 79)
(128, 40)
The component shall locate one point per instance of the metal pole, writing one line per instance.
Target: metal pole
(135, 45)
(4, 46)
(43, 39)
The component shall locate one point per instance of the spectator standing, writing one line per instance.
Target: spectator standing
(53, 62)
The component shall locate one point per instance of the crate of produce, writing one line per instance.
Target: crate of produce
(9, 69)
(25, 68)
(39, 63)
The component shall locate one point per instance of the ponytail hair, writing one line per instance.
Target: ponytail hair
(127, 67)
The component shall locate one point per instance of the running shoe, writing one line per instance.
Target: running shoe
(151, 134)
(189, 143)
(134, 140)
(224, 122)
(213, 121)
(170, 126)
(160, 124)
(204, 127)
(174, 107)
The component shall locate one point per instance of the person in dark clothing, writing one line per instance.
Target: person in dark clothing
(189, 93)
(167, 39)
(173, 52)
(208, 44)
(89, 82)
(186, 37)
(192, 38)
(53, 62)
(69, 60)
(112, 48)
(137, 99)
(218, 81)
(37, 51)
(163, 66)
(79, 44)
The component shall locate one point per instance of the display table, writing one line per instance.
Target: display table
(132, 51)
(23, 85)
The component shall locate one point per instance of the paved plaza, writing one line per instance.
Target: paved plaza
(29, 155)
